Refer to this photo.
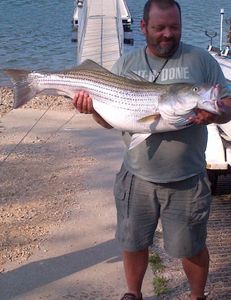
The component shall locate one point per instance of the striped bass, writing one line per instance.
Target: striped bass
(132, 105)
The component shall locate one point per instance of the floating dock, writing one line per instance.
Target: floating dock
(100, 30)
(124, 11)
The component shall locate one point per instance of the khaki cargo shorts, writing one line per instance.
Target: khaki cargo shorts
(183, 208)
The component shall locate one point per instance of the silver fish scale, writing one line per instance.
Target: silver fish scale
(115, 95)
(122, 102)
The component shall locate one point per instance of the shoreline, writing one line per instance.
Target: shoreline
(42, 102)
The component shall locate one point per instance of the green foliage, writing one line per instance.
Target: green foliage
(160, 285)
(156, 262)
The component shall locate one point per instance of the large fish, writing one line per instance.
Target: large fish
(139, 107)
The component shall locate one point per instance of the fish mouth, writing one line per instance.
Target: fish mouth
(215, 95)
(215, 92)
(211, 97)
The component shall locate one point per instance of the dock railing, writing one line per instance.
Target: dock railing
(82, 22)
(120, 28)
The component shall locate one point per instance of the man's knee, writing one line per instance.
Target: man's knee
(200, 258)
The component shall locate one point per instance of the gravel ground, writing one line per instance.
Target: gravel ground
(38, 102)
(25, 216)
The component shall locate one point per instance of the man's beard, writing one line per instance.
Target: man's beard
(163, 51)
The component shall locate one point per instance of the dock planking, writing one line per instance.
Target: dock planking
(101, 34)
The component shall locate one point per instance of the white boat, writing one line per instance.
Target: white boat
(218, 151)
(224, 60)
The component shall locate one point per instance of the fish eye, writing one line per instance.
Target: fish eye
(195, 89)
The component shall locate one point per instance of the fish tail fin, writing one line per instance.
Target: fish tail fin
(23, 86)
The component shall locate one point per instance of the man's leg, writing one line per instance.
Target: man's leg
(138, 212)
(184, 217)
(135, 266)
(196, 269)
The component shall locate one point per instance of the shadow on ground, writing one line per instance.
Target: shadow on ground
(40, 273)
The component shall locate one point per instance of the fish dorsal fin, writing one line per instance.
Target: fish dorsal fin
(149, 119)
(88, 64)
(132, 75)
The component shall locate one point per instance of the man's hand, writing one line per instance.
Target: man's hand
(205, 118)
(83, 102)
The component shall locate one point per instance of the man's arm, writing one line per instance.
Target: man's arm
(205, 118)
(83, 103)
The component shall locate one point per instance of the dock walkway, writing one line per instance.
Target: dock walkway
(100, 32)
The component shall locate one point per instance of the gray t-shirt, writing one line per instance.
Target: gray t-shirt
(176, 155)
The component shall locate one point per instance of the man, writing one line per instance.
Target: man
(165, 177)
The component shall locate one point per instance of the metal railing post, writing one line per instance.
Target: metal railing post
(82, 17)
(119, 28)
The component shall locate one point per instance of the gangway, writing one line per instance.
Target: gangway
(124, 11)
(100, 32)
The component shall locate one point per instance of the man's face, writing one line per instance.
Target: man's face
(162, 31)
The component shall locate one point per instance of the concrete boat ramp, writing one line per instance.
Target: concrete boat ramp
(80, 259)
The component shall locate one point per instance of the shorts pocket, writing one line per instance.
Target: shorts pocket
(122, 189)
(202, 201)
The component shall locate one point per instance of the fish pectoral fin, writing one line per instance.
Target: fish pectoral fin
(149, 119)
(138, 138)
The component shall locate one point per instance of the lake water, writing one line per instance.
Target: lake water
(37, 34)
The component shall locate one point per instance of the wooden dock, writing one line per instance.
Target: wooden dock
(100, 32)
